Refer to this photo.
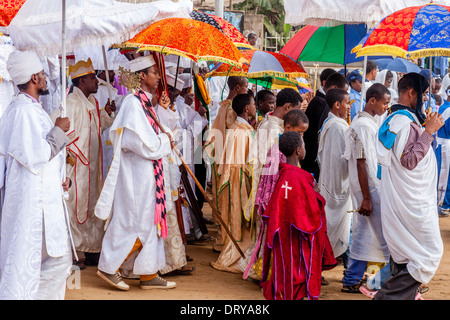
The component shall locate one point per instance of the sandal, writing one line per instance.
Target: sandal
(367, 292)
(189, 258)
(352, 289)
(182, 271)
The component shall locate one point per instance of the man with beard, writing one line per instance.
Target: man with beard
(85, 164)
(35, 255)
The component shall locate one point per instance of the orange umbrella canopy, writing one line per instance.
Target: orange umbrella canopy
(189, 38)
(8, 10)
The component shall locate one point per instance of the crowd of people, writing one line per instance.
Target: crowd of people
(299, 182)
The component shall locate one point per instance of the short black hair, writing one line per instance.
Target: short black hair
(288, 95)
(336, 79)
(377, 91)
(335, 95)
(240, 101)
(252, 35)
(294, 117)
(326, 73)
(234, 81)
(76, 81)
(407, 82)
(263, 94)
(438, 98)
(289, 142)
(371, 65)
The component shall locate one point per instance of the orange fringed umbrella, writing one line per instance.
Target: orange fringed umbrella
(189, 38)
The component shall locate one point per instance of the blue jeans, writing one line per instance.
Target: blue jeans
(354, 272)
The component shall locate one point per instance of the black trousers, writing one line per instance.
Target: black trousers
(399, 286)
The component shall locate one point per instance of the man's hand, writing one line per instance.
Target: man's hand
(366, 207)
(66, 184)
(110, 107)
(63, 123)
(434, 122)
(164, 100)
(202, 110)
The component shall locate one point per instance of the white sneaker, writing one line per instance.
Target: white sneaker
(114, 280)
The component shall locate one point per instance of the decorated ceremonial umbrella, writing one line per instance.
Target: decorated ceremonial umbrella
(196, 40)
(269, 69)
(412, 32)
(224, 26)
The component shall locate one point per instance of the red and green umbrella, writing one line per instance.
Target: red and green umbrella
(326, 44)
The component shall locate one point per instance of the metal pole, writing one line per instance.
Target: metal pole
(363, 88)
(63, 60)
(218, 9)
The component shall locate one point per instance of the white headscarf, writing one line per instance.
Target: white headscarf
(445, 85)
(22, 65)
(393, 88)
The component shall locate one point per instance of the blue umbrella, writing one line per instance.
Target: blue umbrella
(398, 65)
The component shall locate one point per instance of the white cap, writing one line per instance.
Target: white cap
(141, 63)
(187, 79)
(22, 65)
(170, 78)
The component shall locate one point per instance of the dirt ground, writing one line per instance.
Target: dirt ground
(207, 283)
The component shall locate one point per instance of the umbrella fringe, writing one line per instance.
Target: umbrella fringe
(290, 76)
(168, 50)
(379, 50)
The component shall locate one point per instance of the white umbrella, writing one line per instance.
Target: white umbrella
(334, 12)
(56, 27)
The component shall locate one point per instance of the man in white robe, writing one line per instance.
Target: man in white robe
(333, 182)
(85, 160)
(408, 191)
(368, 244)
(35, 255)
(131, 194)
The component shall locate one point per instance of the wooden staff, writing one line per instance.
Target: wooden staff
(216, 213)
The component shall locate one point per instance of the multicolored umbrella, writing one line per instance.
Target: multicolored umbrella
(8, 10)
(189, 38)
(326, 44)
(413, 32)
(224, 26)
(269, 69)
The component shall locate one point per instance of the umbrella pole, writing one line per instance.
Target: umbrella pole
(176, 79)
(363, 88)
(214, 210)
(429, 90)
(63, 61)
(108, 83)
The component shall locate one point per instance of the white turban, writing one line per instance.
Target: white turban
(22, 65)
(141, 63)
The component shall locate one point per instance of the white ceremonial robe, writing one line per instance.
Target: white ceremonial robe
(334, 182)
(408, 201)
(368, 243)
(86, 125)
(128, 197)
(267, 133)
(102, 96)
(35, 247)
